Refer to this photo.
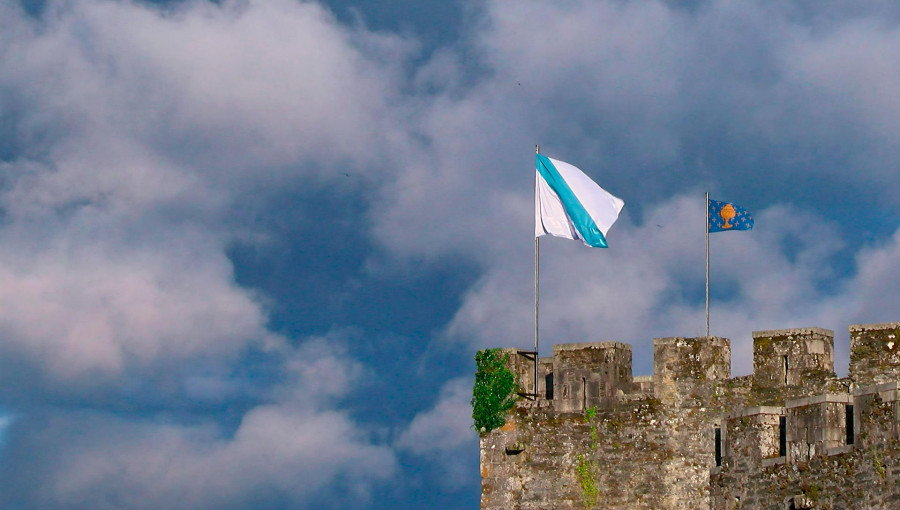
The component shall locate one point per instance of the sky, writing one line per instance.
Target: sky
(248, 248)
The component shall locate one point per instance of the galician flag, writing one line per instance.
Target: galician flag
(567, 203)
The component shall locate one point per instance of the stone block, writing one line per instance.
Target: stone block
(587, 375)
(790, 357)
(874, 353)
(689, 368)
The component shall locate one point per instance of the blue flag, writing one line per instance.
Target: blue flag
(725, 216)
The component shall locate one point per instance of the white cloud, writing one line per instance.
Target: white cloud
(82, 305)
(444, 433)
(653, 100)
(282, 452)
(444, 427)
(779, 275)
(237, 84)
(762, 101)
(141, 134)
(143, 130)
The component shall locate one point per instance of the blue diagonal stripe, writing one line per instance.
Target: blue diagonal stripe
(583, 222)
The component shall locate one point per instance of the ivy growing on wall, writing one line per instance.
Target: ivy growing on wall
(589, 491)
(494, 392)
(589, 414)
(585, 470)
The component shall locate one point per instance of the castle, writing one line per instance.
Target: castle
(791, 435)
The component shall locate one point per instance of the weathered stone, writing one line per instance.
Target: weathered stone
(792, 435)
(875, 353)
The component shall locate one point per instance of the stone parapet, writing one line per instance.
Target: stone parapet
(874, 353)
(559, 348)
(790, 357)
(842, 398)
(816, 424)
(755, 410)
(686, 370)
(877, 413)
(587, 375)
(791, 435)
(887, 391)
(751, 435)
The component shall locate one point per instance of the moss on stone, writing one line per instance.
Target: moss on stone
(878, 462)
(861, 351)
(811, 490)
(589, 491)
(762, 344)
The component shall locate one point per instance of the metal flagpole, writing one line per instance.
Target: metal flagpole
(706, 213)
(537, 269)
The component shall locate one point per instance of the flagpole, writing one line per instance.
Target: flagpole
(706, 213)
(537, 269)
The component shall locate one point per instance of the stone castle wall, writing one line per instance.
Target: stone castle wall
(791, 435)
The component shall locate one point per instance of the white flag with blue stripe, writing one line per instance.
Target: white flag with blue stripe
(567, 203)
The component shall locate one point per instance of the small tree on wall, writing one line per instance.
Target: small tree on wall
(494, 392)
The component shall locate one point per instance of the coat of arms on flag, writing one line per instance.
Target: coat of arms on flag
(725, 216)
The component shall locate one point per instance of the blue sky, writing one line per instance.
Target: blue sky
(249, 248)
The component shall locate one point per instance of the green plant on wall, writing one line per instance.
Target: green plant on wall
(583, 469)
(589, 414)
(589, 491)
(494, 392)
(878, 462)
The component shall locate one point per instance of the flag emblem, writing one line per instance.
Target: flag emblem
(725, 216)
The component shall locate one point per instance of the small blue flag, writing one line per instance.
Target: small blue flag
(725, 216)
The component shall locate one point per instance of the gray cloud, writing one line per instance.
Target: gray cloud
(762, 100)
(649, 283)
(655, 100)
(140, 132)
(281, 452)
(443, 432)
(137, 137)
(157, 123)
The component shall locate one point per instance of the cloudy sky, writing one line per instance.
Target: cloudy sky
(248, 248)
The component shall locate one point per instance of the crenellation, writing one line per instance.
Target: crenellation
(687, 369)
(877, 413)
(751, 435)
(521, 365)
(816, 425)
(874, 353)
(790, 435)
(643, 384)
(589, 375)
(792, 357)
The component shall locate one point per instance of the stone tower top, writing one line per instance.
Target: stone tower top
(874, 353)
(785, 357)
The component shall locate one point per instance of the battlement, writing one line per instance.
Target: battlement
(689, 368)
(598, 374)
(791, 357)
(875, 352)
(691, 436)
(589, 375)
